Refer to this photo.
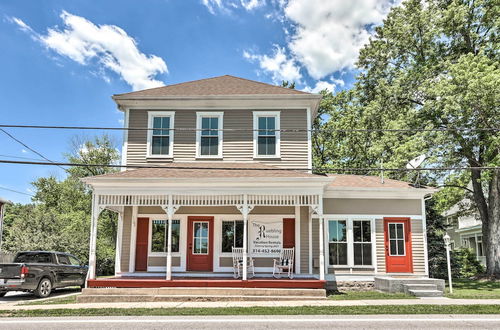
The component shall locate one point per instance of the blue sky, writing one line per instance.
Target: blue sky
(62, 60)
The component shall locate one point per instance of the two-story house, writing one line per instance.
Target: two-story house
(225, 162)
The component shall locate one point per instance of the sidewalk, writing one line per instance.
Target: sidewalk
(219, 304)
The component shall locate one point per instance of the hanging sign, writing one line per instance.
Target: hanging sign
(266, 237)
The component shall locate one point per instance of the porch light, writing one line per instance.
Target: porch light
(447, 241)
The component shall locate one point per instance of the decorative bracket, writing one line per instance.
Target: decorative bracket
(245, 209)
(170, 209)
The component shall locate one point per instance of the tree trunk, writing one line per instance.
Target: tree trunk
(491, 231)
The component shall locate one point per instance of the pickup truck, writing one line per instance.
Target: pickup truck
(40, 272)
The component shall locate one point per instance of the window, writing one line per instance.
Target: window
(337, 231)
(266, 134)
(232, 235)
(160, 137)
(362, 242)
(34, 257)
(74, 261)
(63, 259)
(480, 252)
(396, 239)
(200, 237)
(159, 232)
(209, 134)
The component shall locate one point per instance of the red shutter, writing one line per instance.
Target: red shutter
(288, 233)
(141, 244)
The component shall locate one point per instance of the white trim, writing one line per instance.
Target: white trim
(151, 115)
(220, 134)
(133, 238)
(309, 138)
(374, 193)
(370, 216)
(297, 239)
(125, 139)
(208, 238)
(256, 115)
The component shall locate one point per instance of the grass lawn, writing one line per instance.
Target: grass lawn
(54, 301)
(308, 310)
(469, 289)
(369, 295)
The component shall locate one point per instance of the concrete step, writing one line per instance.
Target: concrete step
(165, 298)
(185, 291)
(408, 287)
(426, 293)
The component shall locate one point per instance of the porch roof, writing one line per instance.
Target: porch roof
(370, 181)
(185, 170)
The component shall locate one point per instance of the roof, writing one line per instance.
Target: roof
(222, 85)
(185, 170)
(364, 181)
(4, 201)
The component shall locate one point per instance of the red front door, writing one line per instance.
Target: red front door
(398, 255)
(200, 243)
(141, 244)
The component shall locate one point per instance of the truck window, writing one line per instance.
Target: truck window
(74, 261)
(63, 259)
(33, 258)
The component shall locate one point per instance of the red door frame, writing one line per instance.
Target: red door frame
(288, 233)
(398, 264)
(200, 262)
(141, 245)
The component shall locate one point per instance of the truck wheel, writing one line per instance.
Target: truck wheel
(2, 293)
(44, 288)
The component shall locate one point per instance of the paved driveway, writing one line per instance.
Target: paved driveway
(16, 296)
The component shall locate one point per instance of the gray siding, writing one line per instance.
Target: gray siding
(237, 145)
(127, 225)
(372, 206)
(304, 240)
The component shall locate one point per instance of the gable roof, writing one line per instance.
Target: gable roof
(368, 181)
(222, 85)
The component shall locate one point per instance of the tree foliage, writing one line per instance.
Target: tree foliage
(431, 65)
(59, 217)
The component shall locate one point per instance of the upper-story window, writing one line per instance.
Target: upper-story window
(160, 135)
(209, 134)
(266, 134)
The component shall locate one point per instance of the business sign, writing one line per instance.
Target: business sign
(266, 237)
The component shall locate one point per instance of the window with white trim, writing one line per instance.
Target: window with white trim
(396, 239)
(362, 240)
(266, 134)
(337, 242)
(160, 134)
(351, 242)
(209, 134)
(232, 235)
(159, 232)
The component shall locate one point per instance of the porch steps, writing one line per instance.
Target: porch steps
(419, 287)
(196, 294)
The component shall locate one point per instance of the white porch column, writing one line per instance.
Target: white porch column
(319, 211)
(245, 209)
(119, 236)
(96, 210)
(170, 209)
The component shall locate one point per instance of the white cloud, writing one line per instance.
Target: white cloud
(108, 45)
(279, 65)
(329, 34)
(215, 6)
(320, 85)
(24, 151)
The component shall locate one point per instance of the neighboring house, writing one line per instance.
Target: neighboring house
(3, 203)
(248, 186)
(466, 231)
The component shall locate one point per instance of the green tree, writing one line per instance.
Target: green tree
(431, 65)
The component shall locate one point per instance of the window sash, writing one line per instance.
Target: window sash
(159, 232)
(350, 242)
(266, 138)
(160, 135)
(209, 135)
(234, 228)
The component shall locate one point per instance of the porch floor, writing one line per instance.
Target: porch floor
(214, 282)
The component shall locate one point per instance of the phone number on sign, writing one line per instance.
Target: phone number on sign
(267, 251)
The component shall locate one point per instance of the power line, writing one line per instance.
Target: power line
(187, 129)
(324, 170)
(16, 191)
(28, 147)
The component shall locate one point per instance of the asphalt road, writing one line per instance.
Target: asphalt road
(16, 296)
(260, 322)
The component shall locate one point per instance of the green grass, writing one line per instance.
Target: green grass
(369, 295)
(307, 310)
(474, 289)
(54, 301)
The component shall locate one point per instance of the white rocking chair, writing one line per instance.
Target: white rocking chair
(284, 264)
(238, 263)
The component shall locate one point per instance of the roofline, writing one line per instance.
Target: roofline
(5, 201)
(91, 180)
(118, 97)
